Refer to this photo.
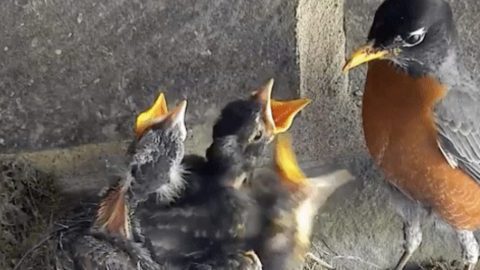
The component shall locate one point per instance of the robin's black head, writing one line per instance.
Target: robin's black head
(245, 127)
(159, 151)
(416, 35)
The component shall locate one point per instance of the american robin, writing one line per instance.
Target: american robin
(202, 226)
(107, 235)
(420, 117)
(287, 202)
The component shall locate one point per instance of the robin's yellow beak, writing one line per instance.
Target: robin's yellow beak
(146, 119)
(286, 163)
(278, 115)
(365, 54)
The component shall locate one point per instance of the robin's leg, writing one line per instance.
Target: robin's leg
(411, 213)
(470, 248)
(413, 238)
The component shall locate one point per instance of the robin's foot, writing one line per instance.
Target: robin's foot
(470, 249)
(413, 239)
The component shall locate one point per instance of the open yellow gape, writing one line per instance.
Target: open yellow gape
(278, 115)
(286, 163)
(157, 113)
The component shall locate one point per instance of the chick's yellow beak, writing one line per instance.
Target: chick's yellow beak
(286, 163)
(283, 112)
(278, 115)
(147, 118)
(177, 115)
(365, 54)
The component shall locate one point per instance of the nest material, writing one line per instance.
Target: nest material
(28, 201)
(442, 265)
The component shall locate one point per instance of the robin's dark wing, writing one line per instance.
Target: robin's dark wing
(458, 123)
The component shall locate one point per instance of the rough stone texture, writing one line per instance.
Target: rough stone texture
(75, 72)
(321, 55)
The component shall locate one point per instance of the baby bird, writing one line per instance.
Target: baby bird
(108, 236)
(286, 204)
(200, 230)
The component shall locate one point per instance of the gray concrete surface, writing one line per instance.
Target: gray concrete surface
(76, 72)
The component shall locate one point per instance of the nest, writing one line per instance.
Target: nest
(28, 201)
(442, 265)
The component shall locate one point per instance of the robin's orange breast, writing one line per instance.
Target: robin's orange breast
(401, 136)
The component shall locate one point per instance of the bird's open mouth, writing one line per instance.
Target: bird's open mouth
(278, 115)
(286, 163)
(157, 110)
(157, 113)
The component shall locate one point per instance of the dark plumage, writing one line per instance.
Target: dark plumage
(205, 226)
(399, 24)
(210, 212)
(106, 234)
(156, 167)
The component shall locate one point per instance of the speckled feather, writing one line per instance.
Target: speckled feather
(203, 227)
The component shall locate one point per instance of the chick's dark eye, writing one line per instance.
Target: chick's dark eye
(258, 135)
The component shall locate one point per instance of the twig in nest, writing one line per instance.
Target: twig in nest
(40, 243)
(316, 259)
(358, 259)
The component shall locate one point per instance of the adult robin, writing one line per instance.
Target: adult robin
(287, 202)
(204, 226)
(107, 235)
(420, 117)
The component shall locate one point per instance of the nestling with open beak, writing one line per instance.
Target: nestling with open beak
(156, 165)
(210, 213)
(287, 202)
(243, 131)
(109, 236)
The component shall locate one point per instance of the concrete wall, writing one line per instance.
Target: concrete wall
(74, 73)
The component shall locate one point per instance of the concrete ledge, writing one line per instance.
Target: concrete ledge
(78, 169)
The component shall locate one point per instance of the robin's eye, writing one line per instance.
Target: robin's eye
(414, 38)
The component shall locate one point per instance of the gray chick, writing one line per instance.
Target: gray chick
(107, 235)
